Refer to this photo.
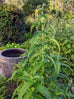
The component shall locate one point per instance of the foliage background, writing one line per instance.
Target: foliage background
(57, 23)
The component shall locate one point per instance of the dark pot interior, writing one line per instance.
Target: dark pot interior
(12, 52)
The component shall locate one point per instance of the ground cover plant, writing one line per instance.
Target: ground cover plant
(2, 87)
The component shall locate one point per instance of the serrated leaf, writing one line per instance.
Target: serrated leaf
(50, 58)
(28, 95)
(51, 39)
(13, 75)
(37, 96)
(16, 91)
(43, 90)
(39, 77)
(63, 76)
(63, 64)
(24, 89)
(37, 67)
(35, 37)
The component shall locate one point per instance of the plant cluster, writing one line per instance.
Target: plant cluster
(39, 75)
(3, 90)
(30, 6)
(24, 45)
(47, 71)
(12, 26)
(65, 38)
(6, 88)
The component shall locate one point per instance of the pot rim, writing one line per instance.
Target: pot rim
(12, 57)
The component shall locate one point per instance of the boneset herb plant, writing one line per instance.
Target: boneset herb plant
(39, 75)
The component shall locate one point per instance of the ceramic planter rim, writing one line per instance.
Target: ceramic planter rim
(12, 57)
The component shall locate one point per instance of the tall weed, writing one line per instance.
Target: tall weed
(38, 75)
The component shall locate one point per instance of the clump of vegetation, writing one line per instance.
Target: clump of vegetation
(12, 26)
(47, 71)
(6, 88)
(3, 90)
(30, 6)
(40, 74)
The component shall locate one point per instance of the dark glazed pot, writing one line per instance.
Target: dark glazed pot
(8, 58)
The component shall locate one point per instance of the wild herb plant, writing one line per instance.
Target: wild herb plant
(60, 28)
(38, 75)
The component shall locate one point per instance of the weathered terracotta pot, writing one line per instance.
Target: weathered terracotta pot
(8, 58)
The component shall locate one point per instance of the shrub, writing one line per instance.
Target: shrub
(12, 26)
(24, 45)
(30, 6)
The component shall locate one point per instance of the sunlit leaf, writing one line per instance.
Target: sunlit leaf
(43, 90)
(24, 89)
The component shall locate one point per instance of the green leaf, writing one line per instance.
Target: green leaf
(72, 56)
(39, 77)
(37, 67)
(32, 49)
(33, 26)
(43, 90)
(26, 76)
(24, 62)
(51, 39)
(13, 75)
(16, 91)
(58, 65)
(63, 75)
(72, 95)
(66, 66)
(28, 95)
(24, 89)
(34, 55)
(35, 37)
(37, 96)
(54, 97)
(51, 60)
(69, 46)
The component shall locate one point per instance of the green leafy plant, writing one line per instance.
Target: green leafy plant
(25, 45)
(6, 88)
(39, 73)
(65, 38)
(3, 90)
(30, 6)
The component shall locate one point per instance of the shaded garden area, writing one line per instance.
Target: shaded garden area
(45, 29)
